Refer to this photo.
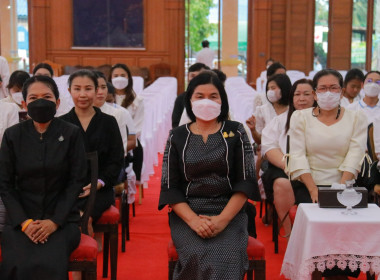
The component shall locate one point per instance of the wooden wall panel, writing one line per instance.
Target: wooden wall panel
(299, 35)
(67, 60)
(147, 61)
(259, 35)
(51, 33)
(126, 60)
(339, 39)
(94, 61)
(278, 34)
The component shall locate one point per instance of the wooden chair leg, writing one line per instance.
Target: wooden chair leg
(369, 276)
(317, 275)
(275, 230)
(259, 269)
(171, 269)
(113, 242)
(89, 275)
(127, 220)
(106, 248)
(123, 217)
(141, 195)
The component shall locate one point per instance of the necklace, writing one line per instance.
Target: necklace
(319, 112)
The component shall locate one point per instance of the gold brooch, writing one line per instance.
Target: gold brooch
(225, 135)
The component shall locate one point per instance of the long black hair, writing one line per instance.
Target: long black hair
(129, 93)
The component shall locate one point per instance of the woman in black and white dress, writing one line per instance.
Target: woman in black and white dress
(207, 175)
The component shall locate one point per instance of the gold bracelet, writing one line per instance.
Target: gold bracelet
(26, 225)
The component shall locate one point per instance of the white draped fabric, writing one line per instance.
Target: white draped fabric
(240, 98)
(64, 94)
(159, 100)
(138, 84)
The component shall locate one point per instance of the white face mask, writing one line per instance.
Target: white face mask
(17, 97)
(206, 109)
(328, 100)
(372, 89)
(120, 82)
(274, 95)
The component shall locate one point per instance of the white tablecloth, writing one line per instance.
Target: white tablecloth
(323, 237)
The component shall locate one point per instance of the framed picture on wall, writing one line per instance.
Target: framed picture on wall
(108, 24)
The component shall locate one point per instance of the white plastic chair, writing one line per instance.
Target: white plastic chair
(295, 75)
(138, 84)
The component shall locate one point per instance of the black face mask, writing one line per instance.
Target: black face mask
(42, 110)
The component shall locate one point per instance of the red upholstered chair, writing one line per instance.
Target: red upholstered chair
(108, 224)
(84, 257)
(256, 256)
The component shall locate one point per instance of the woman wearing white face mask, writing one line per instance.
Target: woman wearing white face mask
(121, 79)
(327, 142)
(207, 175)
(370, 104)
(16, 82)
(278, 88)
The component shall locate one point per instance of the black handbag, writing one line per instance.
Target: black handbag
(369, 174)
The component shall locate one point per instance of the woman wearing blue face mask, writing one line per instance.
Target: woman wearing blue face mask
(370, 104)
(43, 170)
(327, 142)
(207, 175)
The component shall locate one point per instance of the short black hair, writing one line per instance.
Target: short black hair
(284, 83)
(205, 78)
(273, 68)
(46, 80)
(353, 74)
(44, 66)
(325, 72)
(370, 72)
(198, 67)
(221, 75)
(205, 43)
(17, 79)
(84, 73)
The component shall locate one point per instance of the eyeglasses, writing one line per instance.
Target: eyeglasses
(372, 81)
(333, 88)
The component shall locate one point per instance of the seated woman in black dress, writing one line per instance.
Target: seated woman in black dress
(101, 133)
(43, 169)
(207, 175)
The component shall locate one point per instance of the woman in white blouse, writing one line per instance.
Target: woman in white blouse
(121, 78)
(278, 88)
(277, 186)
(327, 142)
